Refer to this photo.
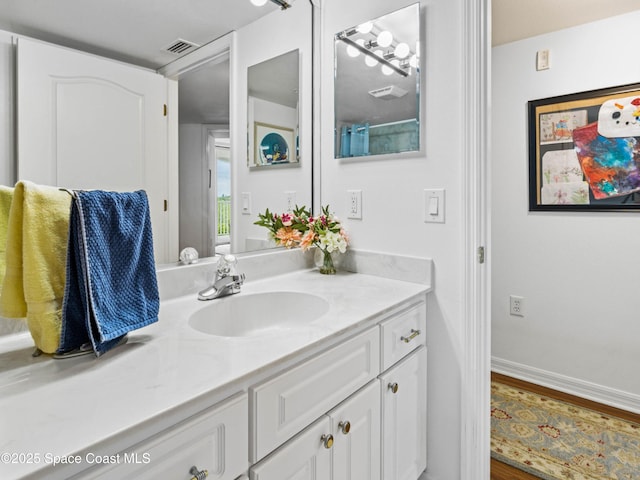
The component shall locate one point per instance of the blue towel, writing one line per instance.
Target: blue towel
(111, 286)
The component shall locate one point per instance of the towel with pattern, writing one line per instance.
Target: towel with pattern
(111, 286)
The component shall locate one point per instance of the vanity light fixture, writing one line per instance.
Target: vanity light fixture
(281, 3)
(364, 48)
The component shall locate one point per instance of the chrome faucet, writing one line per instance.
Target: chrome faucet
(227, 282)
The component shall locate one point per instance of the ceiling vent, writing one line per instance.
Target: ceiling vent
(180, 47)
(388, 93)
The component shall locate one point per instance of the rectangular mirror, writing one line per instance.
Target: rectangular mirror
(377, 86)
(273, 106)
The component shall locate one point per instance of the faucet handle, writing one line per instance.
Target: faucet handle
(226, 264)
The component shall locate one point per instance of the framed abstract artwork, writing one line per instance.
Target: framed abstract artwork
(584, 151)
(273, 145)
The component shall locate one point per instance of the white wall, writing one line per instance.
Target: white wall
(392, 200)
(578, 272)
(7, 158)
(273, 35)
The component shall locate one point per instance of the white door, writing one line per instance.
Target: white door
(404, 418)
(306, 457)
(86, 122)
(355, 426)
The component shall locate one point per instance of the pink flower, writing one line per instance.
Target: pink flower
(344, 235)
(287, 219)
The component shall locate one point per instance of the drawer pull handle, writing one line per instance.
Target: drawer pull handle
(198, 474)
(393, 387)
(345, 427)
(414, 334)
(327, 440)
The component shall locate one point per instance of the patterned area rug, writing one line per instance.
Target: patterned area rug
(555, 440)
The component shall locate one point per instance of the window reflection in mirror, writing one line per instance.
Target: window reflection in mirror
(273, 102)
(377, 86)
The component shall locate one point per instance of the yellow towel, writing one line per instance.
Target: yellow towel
(36, 261)
(6, 194)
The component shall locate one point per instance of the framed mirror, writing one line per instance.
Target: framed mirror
(273, 106)
(377, 86)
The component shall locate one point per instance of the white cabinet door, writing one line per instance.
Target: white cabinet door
(86, 122)
(306, 457)
(355, 425)
(404, 418)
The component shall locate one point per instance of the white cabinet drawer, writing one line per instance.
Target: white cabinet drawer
(403, 333)
(216, 441)
(284, 405)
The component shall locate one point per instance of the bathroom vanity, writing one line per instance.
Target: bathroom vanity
(342, 395)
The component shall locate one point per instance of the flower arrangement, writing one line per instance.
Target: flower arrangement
(301, 229)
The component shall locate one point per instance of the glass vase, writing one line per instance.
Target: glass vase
(324, 262)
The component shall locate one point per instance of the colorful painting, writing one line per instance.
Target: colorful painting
(563, 180)
(610, 164)
(558, 127)
(273, 145)
(584, 151)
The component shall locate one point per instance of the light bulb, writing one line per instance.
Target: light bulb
(401, 50)
(370, 61)
(365, 27)
(353, 51)
(413, 61)
(258, 3)
(385, 38)
(388, 70)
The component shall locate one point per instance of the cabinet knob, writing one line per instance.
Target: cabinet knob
(345, 427)
(327, 440)
(393, 387)
(198, 474)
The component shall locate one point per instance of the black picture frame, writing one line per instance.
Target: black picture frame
(564, 132)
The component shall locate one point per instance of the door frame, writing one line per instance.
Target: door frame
(476, 367)
(217, 51)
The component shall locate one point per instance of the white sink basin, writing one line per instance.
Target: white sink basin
(258, 314)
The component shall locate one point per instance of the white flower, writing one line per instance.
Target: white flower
(331, 241)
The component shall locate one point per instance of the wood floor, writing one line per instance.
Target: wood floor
(502, 471)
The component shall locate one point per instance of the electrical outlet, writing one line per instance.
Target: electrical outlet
(290, 197)
(516, 305)
(354, 207)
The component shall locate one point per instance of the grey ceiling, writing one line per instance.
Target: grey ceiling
(134, 31)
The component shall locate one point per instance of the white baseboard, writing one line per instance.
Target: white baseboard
(573, 386)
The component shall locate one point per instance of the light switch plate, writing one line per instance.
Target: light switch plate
(542, 60)
(434, 205)
(245, 198)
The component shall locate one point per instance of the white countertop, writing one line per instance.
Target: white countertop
(165, 373)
